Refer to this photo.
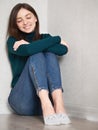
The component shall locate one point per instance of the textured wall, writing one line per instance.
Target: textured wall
(76, 21)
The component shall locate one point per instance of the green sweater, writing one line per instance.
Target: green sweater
(19, 57)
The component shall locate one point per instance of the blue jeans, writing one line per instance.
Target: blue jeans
(40, 72)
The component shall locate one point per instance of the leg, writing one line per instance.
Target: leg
(23, 98)
(37, 71)
(53, 72)
(54, 79)
(58, 101)
(55, 85)
(38, 75)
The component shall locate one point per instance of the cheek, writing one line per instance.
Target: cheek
(34, 20)
(19, 25)
(34, 23)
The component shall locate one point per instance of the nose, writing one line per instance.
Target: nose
(24, 22)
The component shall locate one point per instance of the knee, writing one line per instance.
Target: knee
(35, 56)
(36, 60)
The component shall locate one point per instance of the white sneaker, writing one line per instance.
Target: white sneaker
(63, 119)
(51, 120)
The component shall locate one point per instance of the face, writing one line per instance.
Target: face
(26, 21)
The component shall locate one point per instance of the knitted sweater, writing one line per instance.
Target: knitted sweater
(19, 57)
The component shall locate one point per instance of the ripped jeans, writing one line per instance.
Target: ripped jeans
(40, 72)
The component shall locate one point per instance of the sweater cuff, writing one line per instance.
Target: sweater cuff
(57, 39)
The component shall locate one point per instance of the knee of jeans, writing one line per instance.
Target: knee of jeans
(36, 61)
(32, 59)
(35, 56)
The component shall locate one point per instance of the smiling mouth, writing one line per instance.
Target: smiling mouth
(27, 27)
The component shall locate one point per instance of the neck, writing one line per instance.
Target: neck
(29, 36)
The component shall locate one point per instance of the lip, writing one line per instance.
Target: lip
(27, 27)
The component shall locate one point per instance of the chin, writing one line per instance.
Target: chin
(28, 31)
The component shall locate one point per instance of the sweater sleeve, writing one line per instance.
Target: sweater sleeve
(34, 46)
(58, 49)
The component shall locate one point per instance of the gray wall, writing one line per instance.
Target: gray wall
(76, 21)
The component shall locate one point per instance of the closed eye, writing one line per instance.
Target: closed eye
(28, 16)
(19, 20)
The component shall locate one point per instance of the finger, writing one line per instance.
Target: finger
(15, 47)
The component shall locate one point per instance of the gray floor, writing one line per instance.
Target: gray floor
(15, 122)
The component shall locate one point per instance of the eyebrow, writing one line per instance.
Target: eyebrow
(25, 16)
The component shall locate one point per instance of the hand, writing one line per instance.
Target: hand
(18, 43)
(64, 43)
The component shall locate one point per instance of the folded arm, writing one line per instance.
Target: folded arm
(58, 49)
(27, 49)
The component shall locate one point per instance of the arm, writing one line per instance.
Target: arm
(58, 49)
(62, 41)
(21, 42)
(32, 48)
(18, 43)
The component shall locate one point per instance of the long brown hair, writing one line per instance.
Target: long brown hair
(12, 26)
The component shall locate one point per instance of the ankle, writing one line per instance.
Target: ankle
(60, 109)
(47, 109)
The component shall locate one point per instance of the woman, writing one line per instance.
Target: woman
(36, 84)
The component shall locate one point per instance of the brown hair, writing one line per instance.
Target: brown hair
(12, 26)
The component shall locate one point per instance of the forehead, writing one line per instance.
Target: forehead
(23, 12)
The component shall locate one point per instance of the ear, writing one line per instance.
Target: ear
(35, 19)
